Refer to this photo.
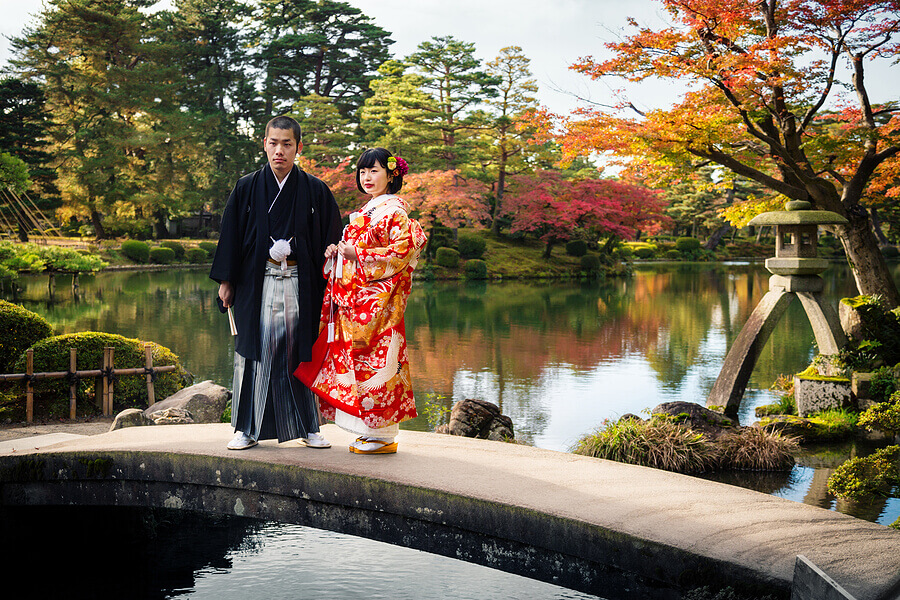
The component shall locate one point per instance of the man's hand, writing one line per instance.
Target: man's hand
(226, 293)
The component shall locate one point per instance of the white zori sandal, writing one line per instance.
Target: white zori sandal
(370, 445)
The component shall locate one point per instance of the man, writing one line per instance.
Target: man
(275, 228)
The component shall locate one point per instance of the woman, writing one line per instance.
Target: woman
(364, 383)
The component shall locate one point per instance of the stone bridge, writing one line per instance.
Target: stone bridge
(614, 530)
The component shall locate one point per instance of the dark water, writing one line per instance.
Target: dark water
(559, 358)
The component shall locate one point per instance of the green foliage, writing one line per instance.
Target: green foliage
(576, 247)
(645, 252)
(162, 255)
(867, 475)
(882, 384)
(880, 332)
(13, 174)
(19, 330)
(836, 423)
(784, 405)
(884, 416)
(476, 269)
(438, 237)
(52, 355)
(196, 255)
(34, 258)
(590, 264)
(447, 257)
(471, 245)
(176, 247)
(672, 254)
(209, 247)
(136, 250)
(687, 244)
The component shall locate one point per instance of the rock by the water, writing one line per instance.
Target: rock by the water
(204, 401)
(478, 419)
(172, 416)
(697, 417)
(130, 417)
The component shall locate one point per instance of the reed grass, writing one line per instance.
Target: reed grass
(662, 443)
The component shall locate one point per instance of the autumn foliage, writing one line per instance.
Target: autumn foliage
(554, 209)
(768, 99)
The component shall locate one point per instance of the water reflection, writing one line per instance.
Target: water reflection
(558, 357)
(101, 553)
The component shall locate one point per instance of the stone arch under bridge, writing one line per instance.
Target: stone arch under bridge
(615, 530)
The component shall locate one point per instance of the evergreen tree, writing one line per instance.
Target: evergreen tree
(453, 77)
(509, 134)
(321, 47)
(23, 134)
(327, 135)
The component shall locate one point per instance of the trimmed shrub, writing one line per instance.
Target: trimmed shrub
(196, 255)
(19, 330)
(471, 245)
(590, 263)
(136, 251)
(438, 237)
(177, 247)
(576, 247)
(687, 244)
(476, 269)
(209, 247)
(645, 252)
(672, 254)
(162, 255)
(447, 257)
(52, 354)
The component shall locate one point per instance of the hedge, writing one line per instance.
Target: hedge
(576, 247)
(447, 257)
(19, 330)
(162, 255)
(476, 269)
(590, 263)
(51, 399)
(471, 245)
(210, 248)
(196, 255)
(687, 244)
(176, 247)
(136, 250)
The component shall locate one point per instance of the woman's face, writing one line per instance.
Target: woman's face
(374, 179)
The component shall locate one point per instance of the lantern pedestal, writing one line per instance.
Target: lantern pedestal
(795, 270)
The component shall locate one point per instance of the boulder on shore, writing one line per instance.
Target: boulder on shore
(699, 418)
(130, 417)
(204, 402)
(478, 419)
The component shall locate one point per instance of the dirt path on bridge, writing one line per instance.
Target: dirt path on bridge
(93, 426)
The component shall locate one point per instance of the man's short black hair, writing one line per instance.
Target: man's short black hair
(285, 122)
(368, 159)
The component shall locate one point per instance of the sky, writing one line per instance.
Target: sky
(552, 33)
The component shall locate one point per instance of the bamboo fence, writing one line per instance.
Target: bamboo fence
(103, 392)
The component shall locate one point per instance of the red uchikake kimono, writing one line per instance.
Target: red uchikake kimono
(366, 370)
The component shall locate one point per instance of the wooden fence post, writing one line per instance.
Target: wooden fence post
(105, 376)
(29, 386)
(109, 398)
(148, 364)
(73, 381)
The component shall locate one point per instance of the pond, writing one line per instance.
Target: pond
(558, 357)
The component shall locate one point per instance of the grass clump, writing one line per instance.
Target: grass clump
(665, 443)
(658, 442)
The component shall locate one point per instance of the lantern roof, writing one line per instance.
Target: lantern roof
(798, 212)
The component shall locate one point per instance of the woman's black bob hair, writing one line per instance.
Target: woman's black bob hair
(368, 159)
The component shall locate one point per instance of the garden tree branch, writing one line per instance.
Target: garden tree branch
(728, 161)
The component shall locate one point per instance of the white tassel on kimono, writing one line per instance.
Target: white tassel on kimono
(279, 252)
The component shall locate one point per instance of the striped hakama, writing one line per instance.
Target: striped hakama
(268, 402)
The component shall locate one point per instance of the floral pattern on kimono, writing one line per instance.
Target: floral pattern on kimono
(366, 370)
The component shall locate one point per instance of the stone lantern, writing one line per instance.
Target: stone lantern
(795, 272)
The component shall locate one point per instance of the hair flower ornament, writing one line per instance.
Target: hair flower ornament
(397, 166)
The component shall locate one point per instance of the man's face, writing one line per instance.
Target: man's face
(282, 149)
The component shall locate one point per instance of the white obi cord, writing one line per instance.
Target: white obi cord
(279, 251)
